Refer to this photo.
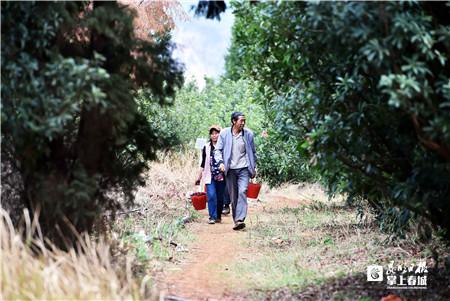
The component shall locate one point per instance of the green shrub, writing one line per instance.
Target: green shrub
(367, 85)
(279, 161)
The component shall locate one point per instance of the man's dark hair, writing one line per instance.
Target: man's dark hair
(235, 116)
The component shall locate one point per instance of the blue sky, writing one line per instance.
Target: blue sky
(202, 44)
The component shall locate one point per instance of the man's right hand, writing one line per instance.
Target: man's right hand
(222, 167)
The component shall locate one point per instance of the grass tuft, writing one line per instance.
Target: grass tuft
(33, 269)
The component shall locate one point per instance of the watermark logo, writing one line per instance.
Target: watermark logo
(400, 276)
(375, 273)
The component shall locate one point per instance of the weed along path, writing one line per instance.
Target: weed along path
(298, 245)
(209, 271)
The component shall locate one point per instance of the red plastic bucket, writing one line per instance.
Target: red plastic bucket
(198, 200)
(253, 190)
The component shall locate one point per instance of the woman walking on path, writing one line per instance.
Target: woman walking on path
(212, 177)
(236, 154)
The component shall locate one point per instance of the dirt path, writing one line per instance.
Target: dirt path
(202, 274)
(199, 276)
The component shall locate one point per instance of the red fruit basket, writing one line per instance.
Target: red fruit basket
(253, 190)
(198, 200)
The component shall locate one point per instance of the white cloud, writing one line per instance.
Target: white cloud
(202, 45)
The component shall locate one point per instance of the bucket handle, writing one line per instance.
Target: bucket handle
(199, 187)
(253, 180)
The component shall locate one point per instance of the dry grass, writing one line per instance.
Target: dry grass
(156, 229)
(169, 179)
(118, 267)
(87, 272)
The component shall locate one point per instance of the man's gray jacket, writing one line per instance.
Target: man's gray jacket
(222, 152)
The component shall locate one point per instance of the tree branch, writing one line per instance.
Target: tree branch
(441, 150)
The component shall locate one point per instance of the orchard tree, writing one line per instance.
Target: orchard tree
(364, 87)
(194, 110)
(73, 135)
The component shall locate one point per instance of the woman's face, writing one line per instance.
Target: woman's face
(214, 136)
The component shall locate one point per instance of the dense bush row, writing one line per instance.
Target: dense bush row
(364, 88)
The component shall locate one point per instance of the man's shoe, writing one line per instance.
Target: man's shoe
(218, 221)
(226, 210)
(239, 225)
(211, 222)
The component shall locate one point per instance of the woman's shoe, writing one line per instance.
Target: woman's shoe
(226, 210)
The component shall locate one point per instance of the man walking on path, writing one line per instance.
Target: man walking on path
(236, 154)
